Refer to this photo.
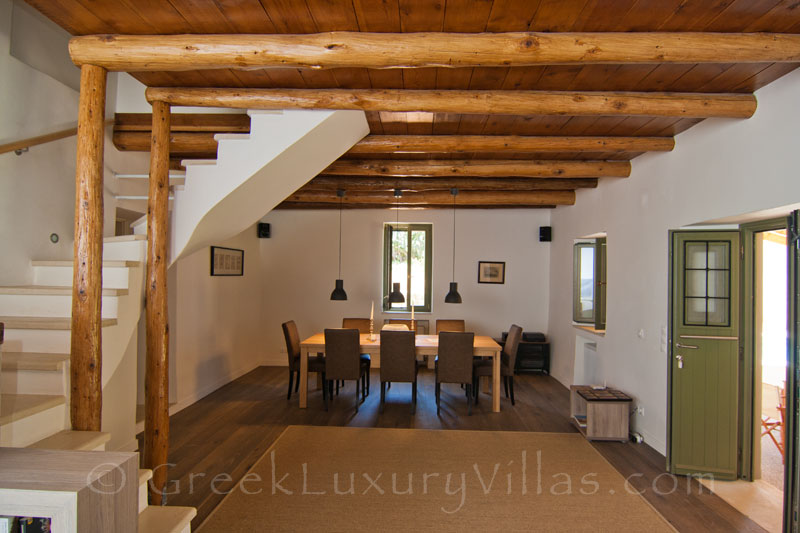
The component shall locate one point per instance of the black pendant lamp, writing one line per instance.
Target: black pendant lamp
(396, 297)
(453, 297)
(338, 292)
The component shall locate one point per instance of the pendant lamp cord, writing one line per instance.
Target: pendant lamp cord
(454, 192)
(340, 236)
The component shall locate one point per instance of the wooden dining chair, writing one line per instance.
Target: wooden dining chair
(508, 358)
(315, 364)
(362, 325)
(454, 363)
(399, 362)
(447, 324)
(343, 362)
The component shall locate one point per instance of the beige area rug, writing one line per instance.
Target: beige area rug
(337, 479)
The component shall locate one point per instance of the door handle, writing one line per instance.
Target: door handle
(680, 360)
(689, 346)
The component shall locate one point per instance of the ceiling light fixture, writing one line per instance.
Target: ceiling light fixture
(338, 292)
(396, 296)
(453, 297)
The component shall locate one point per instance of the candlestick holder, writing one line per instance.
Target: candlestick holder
(371, 331)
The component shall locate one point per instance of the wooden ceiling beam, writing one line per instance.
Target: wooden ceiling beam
(413, 198)
(138, 53)
(186, 122)
(346, 183)
(179, 142)
(486, 168)
(399, 144)
(651, 104)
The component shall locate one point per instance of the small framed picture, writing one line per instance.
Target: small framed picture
(491, 272)
(227, 261)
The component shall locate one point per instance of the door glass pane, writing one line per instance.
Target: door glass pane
(695, 256)
(695, 311)
(417, 268)
(695, 283)
(718, 311)
(587, 282)
(718, 284)
(719, 255)
(400, 263)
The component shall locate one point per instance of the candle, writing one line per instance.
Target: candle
(372, 310)
(412, 309)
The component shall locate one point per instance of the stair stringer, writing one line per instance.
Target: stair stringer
(256, 172)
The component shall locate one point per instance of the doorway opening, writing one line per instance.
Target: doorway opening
(770, 335)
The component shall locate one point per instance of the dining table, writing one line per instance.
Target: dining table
(426, 345)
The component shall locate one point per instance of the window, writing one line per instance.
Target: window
(407, 261)
(707, 283)
(589, 284)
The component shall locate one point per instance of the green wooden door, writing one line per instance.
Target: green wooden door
(704, 357)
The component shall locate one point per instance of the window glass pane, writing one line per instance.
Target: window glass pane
(418, 286)
(696, 283)
(695, 311)
(718, 312)
(586, 301)
(719, 255)
(718, 284)
(400, 263)
(695, 256)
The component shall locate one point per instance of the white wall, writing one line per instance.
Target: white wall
(299, 266)
(218, 324)
(719, 168)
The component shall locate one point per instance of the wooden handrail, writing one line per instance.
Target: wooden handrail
(42, 139)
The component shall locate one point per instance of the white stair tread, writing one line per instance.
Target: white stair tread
(125, 238)
(34, 361)
(52, 290)
(15, 407)
(166, 519)
(145, 474)
(73, 440)
(69, 263)
(38, 322)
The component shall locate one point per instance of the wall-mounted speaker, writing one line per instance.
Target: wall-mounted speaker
(263, 230)
(545, 233)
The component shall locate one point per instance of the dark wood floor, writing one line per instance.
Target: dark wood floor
(226, 432)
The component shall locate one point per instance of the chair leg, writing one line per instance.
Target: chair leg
(438, 394)
(325, 394)
(511, 386)
(469, 399)
(291, 382)
(337, 387)
(388, 384)
(383, 396)
(476, 384)
(368, 376)
(505, 384)
(357, 398)
(414, 397)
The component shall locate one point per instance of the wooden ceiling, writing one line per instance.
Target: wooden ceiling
(85, 17)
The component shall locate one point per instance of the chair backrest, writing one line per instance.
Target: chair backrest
(292, 343)
(342, 354)
(398, 355)
(446, 324)
(361, 324)
(455, 357)
(509, 355)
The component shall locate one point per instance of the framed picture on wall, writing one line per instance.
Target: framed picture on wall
(227, 261)
(492, 272)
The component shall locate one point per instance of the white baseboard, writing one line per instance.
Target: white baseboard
(183, 403)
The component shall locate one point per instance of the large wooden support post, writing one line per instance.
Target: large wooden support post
(86, 386)
(156, 403)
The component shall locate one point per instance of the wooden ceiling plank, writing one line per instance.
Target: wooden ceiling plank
(474, 102)
(247, 16)
(781, 18)
(694, 16)
(421, 15)
(764, 77)
(119, 16)
(511, 15)
(333, 15)
(479, 168)
(374, 16)
(203, 16)
(352, 78)
(289, 16)
(350, 183)
(629, 77)
(469, 16)
(72, 16)
(647, 15)
(133, 53)
(557, 15)
(603, 16)
(734, 76)
(739, 14)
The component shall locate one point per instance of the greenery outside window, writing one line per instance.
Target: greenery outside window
(407, 260)
(589, 283)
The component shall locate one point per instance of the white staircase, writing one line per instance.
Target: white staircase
(255, 172)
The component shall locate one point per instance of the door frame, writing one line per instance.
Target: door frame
(670, 336)
(749, 424)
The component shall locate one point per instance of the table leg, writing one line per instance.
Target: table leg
(303, 378)
(496, 382)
